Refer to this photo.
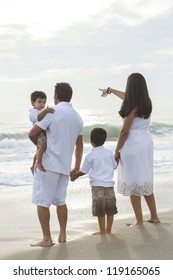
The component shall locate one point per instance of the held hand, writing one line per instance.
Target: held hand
(73, 174)
(104, 92)
(73, 177)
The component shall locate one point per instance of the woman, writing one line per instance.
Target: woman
(134, 148)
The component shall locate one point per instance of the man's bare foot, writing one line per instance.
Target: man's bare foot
(43, 244)
(154, 221)
(99, 233)
(41, 167)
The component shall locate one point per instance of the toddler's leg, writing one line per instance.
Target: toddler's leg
(40, 153)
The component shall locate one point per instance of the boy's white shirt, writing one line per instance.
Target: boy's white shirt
(100, 164)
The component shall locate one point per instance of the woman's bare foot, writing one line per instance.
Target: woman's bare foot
(137, 225)
(154, 221)
(40, 166)
(43, 243)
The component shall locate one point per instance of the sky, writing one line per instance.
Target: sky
(90, 44)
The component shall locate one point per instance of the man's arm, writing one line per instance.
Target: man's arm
(78, 152)
(34, 132)
(78, 155)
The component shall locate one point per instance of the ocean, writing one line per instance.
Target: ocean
(17, 151)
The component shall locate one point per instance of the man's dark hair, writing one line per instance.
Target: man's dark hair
(98, 136)
(63, 91)
(37, 94)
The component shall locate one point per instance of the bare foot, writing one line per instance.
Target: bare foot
(62, 238)
(108, 232)
(62, 241)
(136, 225)
(41, 167)
(99, 233)
(154, 221)
(43, 244)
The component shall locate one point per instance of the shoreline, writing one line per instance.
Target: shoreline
(20, 228)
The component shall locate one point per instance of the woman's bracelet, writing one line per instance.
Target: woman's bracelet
(108, 90)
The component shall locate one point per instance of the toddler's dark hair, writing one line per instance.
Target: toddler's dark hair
(98, 136)
(38, 94)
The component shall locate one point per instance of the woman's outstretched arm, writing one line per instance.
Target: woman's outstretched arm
(110, 90)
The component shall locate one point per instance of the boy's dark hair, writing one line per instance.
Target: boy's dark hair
(63, 91)
(98, 136)
(38, 94)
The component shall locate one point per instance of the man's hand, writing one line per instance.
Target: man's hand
(73, 174)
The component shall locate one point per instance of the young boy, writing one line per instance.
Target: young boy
(37, 113)
(100, 165)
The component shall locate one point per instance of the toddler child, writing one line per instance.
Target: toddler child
(37, 113)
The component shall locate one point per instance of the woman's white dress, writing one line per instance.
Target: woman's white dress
(135, 172)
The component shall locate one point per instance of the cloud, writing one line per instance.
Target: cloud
(9, 55)
(44, 18)
(167, 52)
(13, 36)
(136, 12)
(9, 81)
(96, 51)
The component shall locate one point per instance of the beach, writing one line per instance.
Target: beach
(20, 228)
(19, 223)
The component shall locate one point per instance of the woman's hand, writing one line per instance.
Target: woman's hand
(117, 156)
(104, 92)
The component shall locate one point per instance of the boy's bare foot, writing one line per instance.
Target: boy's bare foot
(108, 232)
(99, 233)
(41, 167)
(62, 238)
(43, 244)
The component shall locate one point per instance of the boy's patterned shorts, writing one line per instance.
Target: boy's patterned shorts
(103, 201)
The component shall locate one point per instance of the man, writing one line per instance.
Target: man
(64, 130)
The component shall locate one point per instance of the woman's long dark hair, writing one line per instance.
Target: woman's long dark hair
(136, 96)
